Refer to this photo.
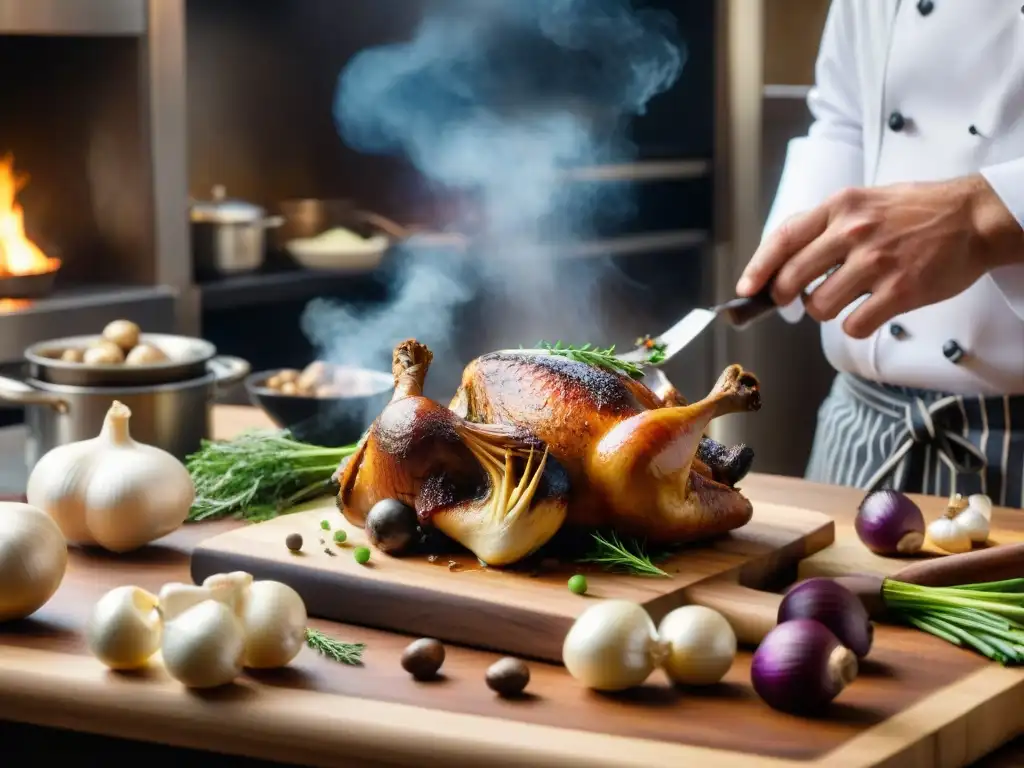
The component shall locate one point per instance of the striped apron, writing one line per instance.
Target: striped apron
(872, 436)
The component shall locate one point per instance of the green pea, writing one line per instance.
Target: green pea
(339, 537)
(578, 584)
(362, 555)
(325, 525)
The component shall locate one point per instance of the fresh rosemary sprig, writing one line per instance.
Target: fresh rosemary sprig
(986, 617)
(592, 355)
(343, 653)
(259, 475)
(614, 554)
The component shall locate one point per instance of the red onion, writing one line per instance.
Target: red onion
(889, 523)
(834, 606)
(800, 667)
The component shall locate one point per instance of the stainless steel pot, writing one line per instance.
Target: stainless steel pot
(175, 417)
(188, 359)
(228, 236)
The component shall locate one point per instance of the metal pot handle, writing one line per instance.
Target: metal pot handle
(228, 370)
(14, 391)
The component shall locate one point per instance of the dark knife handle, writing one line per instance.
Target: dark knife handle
(742, 312)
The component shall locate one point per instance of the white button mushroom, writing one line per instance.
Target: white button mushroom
(125, 627)
(274, 618)
(204, 646)
(33, 559)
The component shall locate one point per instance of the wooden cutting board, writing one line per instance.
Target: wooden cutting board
(527, 614)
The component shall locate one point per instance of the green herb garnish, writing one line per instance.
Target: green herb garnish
(656, 349)
(343, 653)
(614, 554)
(340, 537)
(324, 523)
(591, 355)
(259, 475)
(987, 617)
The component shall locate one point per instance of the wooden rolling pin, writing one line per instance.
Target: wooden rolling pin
(753, 613)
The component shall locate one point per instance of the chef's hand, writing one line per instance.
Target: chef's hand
(908, 245)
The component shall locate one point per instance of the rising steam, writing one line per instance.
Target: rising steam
(495, 98)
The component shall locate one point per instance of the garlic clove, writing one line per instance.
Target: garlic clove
(176, 598)
(274, 618)
(946, 534)
(982, 504)
(204, 647)
(124, 628)
(230, 588)
(974, 523)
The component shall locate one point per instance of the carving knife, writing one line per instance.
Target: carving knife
(739, 313)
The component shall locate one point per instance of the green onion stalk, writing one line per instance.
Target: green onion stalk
(260, 475)
(988, 617)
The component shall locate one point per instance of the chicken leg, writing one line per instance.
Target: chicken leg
(642, 467)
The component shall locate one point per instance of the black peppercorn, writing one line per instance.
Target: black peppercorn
(897, 331)
(924, 7)
(293, 542)
(897, 122)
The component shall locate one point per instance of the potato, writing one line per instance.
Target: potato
(288, 374)
(274, 382)
(289, 388)
(314, 375)
(124, 333)
(145, 354)
(104, 353)
(72, 355)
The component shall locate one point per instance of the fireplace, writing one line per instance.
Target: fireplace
(93, 193)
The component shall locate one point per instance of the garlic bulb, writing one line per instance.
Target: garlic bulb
(976, 520)
(700, 645)
(204, 646)
(124, 629)
(274, 619)
(612, 646)
(945, 533)
(112, 491)
(33, 559)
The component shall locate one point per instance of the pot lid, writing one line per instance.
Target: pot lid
(222, 210)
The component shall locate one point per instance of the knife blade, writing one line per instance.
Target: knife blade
(739, 313)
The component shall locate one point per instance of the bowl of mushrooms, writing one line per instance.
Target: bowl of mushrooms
(322, 404)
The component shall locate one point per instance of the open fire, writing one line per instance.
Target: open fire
(25, 271)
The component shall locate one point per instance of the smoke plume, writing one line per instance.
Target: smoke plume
(495, 99)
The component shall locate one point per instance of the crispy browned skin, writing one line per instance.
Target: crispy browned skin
(531, 442)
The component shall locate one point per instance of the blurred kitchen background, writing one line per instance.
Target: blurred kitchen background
(128, 115)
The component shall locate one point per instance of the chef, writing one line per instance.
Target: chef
(899, 226)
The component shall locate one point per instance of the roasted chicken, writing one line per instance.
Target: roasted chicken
(532, 443)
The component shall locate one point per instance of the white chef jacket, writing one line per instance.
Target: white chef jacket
(943, 66)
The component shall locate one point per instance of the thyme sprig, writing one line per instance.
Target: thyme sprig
(343, 653)
(259, 475)
(615, 554)
(593, 355)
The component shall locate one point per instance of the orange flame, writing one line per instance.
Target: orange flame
(18, 254)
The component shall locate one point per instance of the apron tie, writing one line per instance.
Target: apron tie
(923, 428)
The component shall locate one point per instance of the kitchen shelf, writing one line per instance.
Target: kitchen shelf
(272, 287)
(643, 170)
(798, 92)
(88, 18)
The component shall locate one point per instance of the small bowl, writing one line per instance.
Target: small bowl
(326, 421)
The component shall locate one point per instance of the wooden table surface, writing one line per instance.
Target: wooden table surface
(55, 630)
